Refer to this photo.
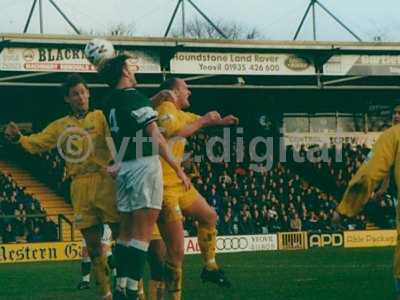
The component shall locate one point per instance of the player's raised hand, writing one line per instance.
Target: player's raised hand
(185, 179)
(212, 118)
(230, 120)
(113, 170)
(164, 95)
(12, 132)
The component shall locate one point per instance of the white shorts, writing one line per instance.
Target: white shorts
(140, 184)
(106, 239)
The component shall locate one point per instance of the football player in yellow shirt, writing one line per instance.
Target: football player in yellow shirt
(176, 126)
(384, 159)
(80, 139)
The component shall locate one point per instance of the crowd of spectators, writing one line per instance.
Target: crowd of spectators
(337, 171)
(249, 198)
(252, 199)
(22, 219)
(49, 167)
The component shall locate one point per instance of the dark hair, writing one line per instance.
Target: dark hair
(169, 84)
(396, 103)
(71, 81)
(110, 70)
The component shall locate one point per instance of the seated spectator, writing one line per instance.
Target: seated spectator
(226, 225)
(49, 230)
(16, 204)
(259, 222)
(361, 223)
(246, 224)
(295, 223)
(325, 223)
(313, 223)
(9, 235)
(35, 236)
(215, 201)
(20, 227)
(285, 223)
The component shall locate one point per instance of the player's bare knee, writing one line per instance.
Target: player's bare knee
(176, 253)
(210, 219)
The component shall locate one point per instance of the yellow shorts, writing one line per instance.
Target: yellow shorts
(176, 199)
(94, 200)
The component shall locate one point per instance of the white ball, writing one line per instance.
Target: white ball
(98, 49)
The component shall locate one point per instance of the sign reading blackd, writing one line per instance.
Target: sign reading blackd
(321, 240)
(35, 252)
(240, 64)
(66, 60)
(236, 243)
(370, 238)
(363, 65)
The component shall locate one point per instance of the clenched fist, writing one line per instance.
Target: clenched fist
(211, 118)
(12, 132)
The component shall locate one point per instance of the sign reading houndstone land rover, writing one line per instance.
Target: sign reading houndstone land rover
(363, 65)
(66, 60)
(240, 64)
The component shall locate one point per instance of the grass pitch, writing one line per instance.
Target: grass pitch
(320, 274)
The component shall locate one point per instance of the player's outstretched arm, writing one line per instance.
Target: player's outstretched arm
(34, 143)
(370, 174)
(210, 119)
(158, 139)
(228, 120)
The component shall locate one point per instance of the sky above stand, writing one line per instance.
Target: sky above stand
(276, 20)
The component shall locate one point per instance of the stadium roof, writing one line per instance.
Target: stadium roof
(51, 39)
(40, 60)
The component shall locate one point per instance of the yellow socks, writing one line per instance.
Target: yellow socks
(101, 273)
(156, 290)
(173, 281)
(207, 238)
(141, 294)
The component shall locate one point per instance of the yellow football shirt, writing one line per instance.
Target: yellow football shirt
(385, 155)
(170, 121)
(80, 141)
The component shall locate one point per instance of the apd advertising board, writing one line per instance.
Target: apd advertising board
(322, 240)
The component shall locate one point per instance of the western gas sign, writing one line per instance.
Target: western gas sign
(56, 251)
(370, 238)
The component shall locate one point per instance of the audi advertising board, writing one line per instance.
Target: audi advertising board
(236, 243)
